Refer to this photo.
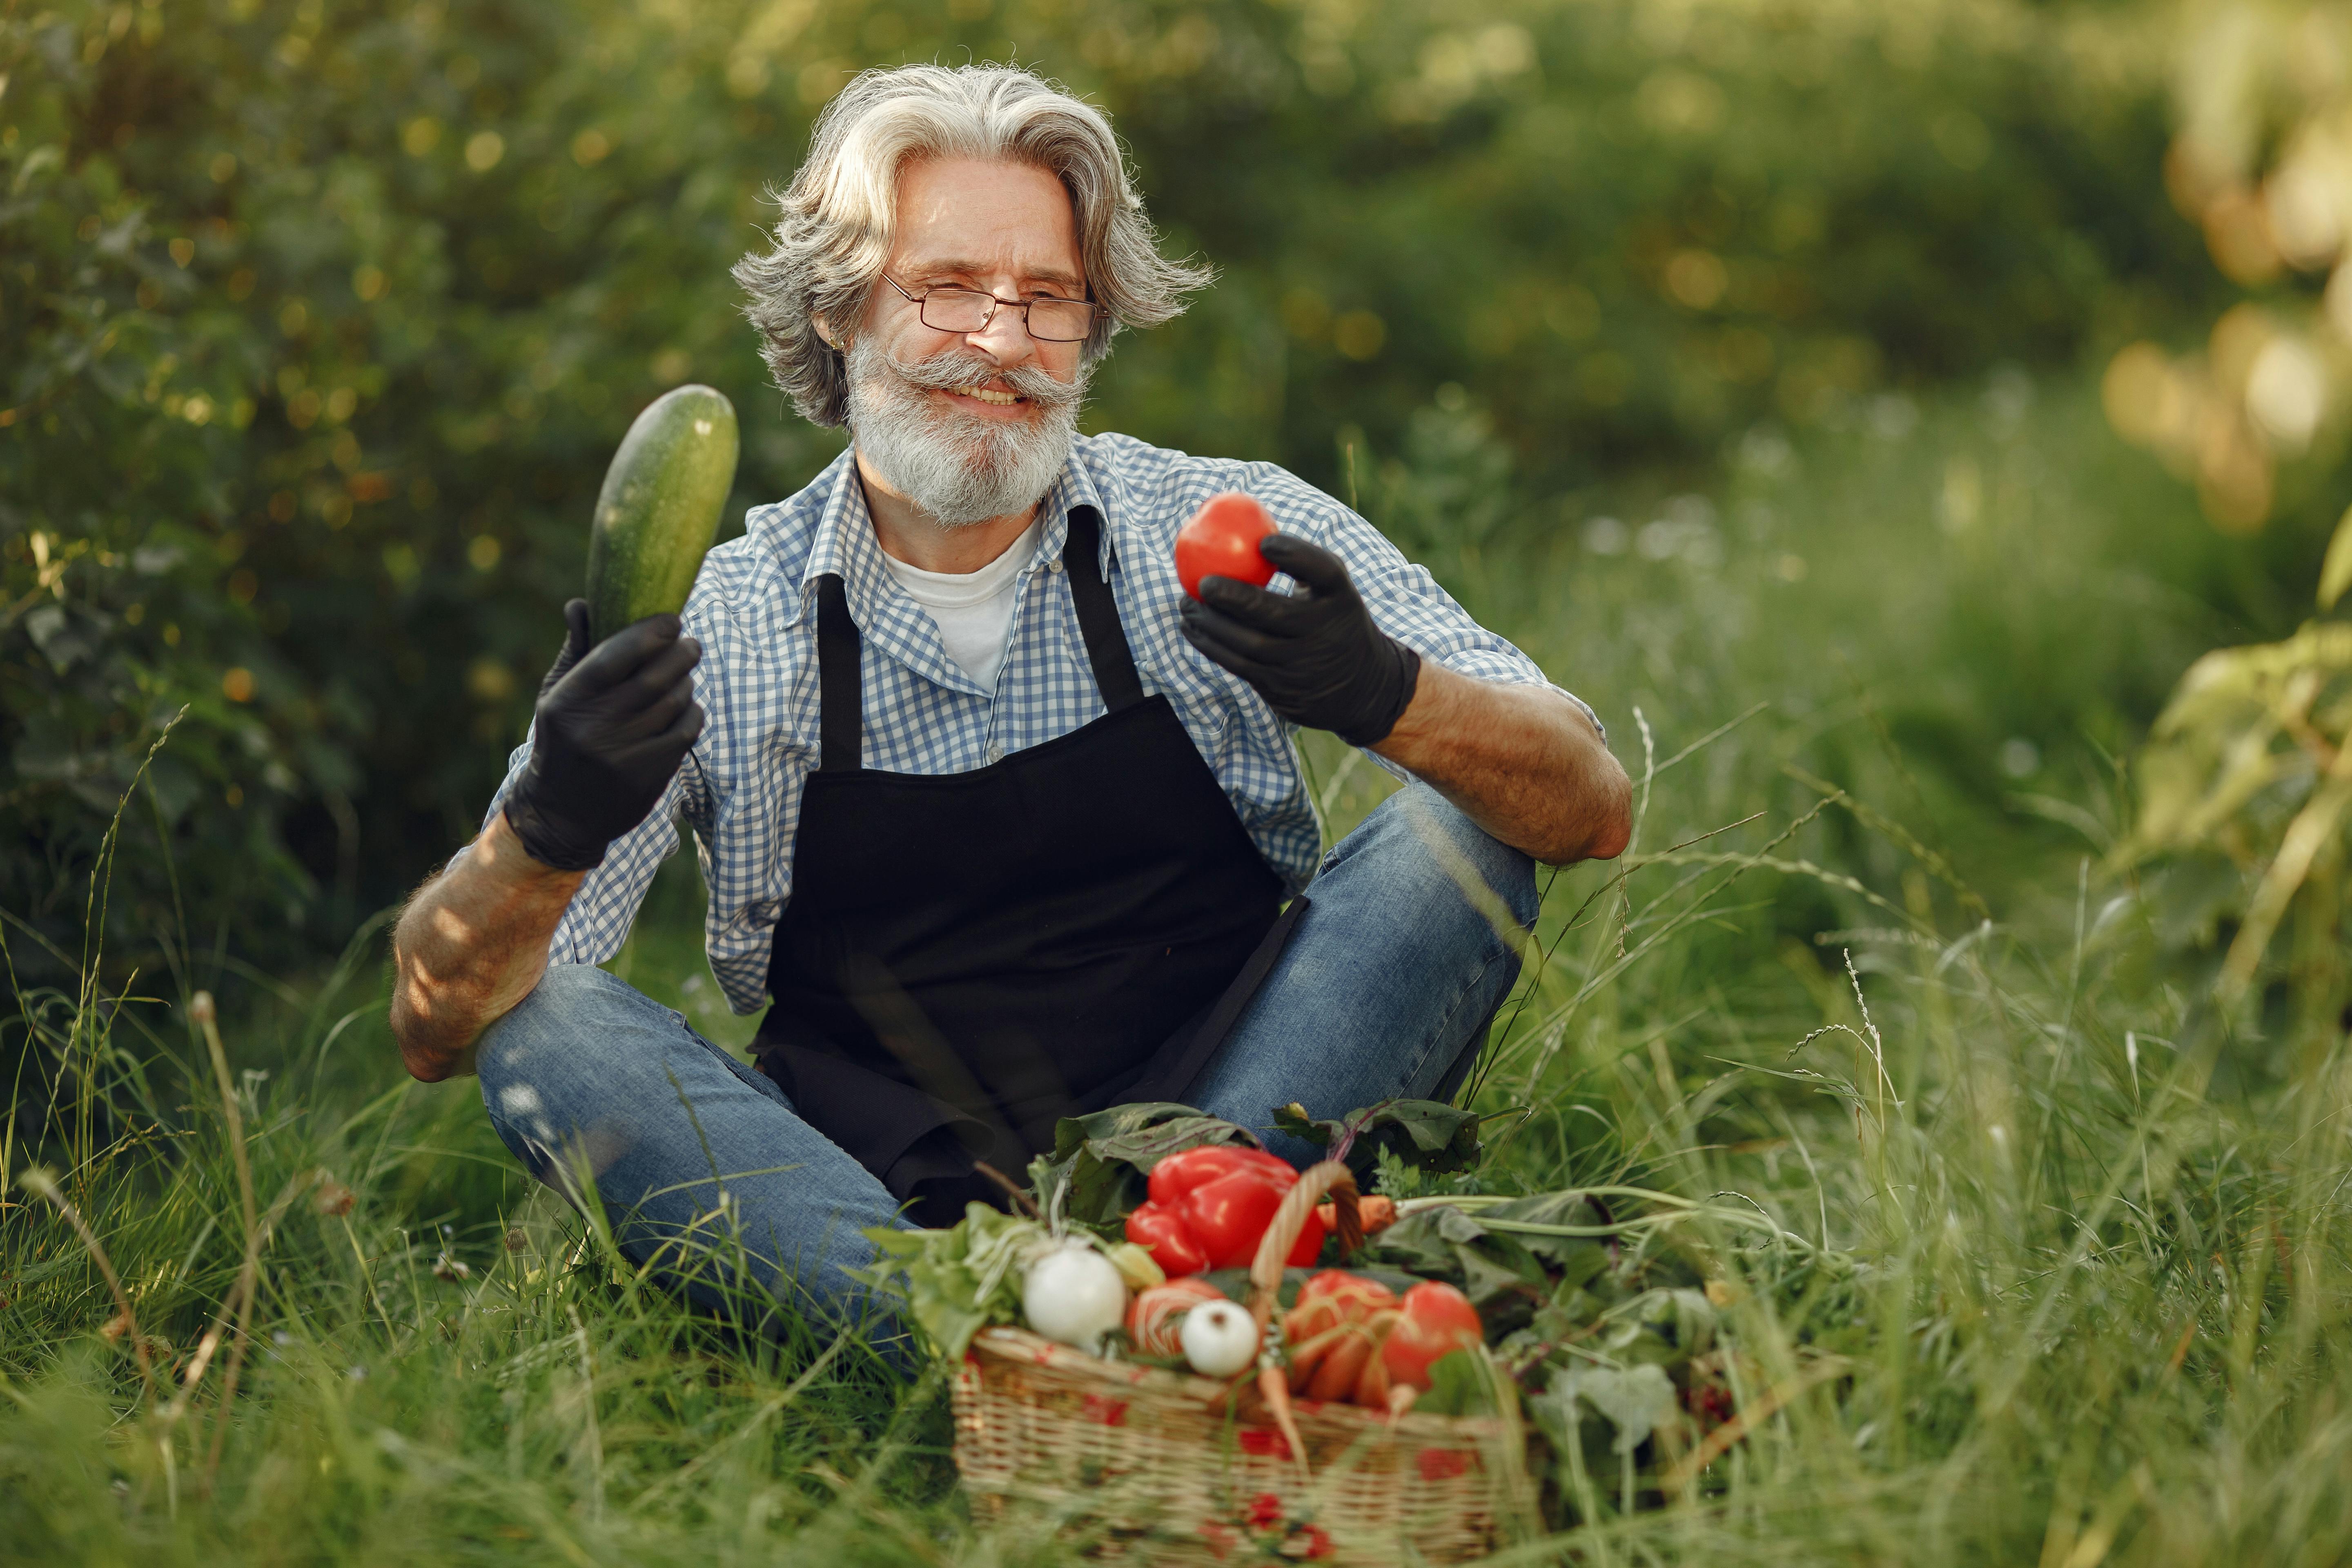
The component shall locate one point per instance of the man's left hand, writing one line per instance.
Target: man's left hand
(1315, 656)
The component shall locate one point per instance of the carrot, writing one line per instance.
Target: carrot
(1336, 1378)
(1277, 1399)
(1307, 1354)
(1333, 1303)
(1371, 1387)
(1376, 1214)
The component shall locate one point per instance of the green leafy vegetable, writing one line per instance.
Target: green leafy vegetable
(1422, 1133)
(1443, 1243)
(956, 1282)
(1634, 1401)
(1578, 1256)
(1663, 1328)
(1461, 1382)
(1395, 1178)
(1506, 1275)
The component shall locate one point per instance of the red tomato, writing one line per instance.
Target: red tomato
(1438, 1319)
(1220, 540)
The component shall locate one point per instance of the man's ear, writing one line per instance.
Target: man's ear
(824, 331)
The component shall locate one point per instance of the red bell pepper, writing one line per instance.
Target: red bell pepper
(1161, 1233)
(1209, 1209)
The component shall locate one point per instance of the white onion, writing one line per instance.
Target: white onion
(1074, 1294)
(1219, 1339)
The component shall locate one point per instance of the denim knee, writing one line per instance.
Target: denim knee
(561, 1059)
(1420, 823)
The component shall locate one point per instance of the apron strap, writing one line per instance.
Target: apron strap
(1106, 647)
(840, 680)
(1176, 1070)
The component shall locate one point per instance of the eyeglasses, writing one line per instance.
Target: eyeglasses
(954, 310)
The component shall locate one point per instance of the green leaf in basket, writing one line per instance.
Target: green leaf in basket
(956, 1282)
(1146, 1147)
(1575, 1258)
(1122, 1122)
(1444, 1243)
(1423, 1133)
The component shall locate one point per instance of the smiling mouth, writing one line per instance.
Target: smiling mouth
(988, 394)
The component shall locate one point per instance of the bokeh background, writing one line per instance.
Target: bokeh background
(1944, 375)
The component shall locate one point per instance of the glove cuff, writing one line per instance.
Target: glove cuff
(543, 843)
(1398, 677)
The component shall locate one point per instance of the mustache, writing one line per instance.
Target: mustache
(945, 373)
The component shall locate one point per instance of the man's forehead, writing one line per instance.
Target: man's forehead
(972, 216)
(919, 263)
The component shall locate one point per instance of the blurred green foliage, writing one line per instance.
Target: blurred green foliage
(318, 323)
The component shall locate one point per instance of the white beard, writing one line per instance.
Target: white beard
(960, 469)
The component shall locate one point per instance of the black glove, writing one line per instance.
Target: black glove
(1315, 656)
(612, 723)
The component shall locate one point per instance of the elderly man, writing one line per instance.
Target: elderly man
(1003, 825)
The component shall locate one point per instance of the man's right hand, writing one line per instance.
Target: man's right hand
(612, 723)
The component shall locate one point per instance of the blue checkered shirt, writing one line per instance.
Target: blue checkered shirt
(754, 610)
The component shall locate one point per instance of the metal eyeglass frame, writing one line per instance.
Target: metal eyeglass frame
(1094, 312)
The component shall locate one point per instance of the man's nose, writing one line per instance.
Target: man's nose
(1006, 338)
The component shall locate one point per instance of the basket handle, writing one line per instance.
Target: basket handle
(1329, 1176)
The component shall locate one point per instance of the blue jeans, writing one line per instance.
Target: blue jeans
(704, 1172)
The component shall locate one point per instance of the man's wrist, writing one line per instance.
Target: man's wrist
(504, 851)
(1434, 710)
(543, 841)
(470, 945)
(1400, 679)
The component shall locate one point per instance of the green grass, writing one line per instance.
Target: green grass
(1874, 689)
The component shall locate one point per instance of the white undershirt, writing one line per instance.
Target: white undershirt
(973, 609)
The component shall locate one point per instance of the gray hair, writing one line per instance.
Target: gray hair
(836, 234)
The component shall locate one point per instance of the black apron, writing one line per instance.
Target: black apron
(968, 958)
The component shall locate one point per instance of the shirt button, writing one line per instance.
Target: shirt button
(995, 753)
(1055, 565)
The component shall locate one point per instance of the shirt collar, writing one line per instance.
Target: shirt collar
(844, 546)
(1076, 488)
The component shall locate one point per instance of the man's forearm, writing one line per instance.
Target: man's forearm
(471, 946)
(1521, 761)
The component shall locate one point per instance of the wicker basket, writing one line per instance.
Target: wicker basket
(1156, 1466)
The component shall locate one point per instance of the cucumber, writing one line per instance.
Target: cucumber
(659, 508)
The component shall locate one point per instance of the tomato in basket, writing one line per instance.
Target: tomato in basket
(1437, 1319)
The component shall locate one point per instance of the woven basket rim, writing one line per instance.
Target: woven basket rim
(1021, 1348)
